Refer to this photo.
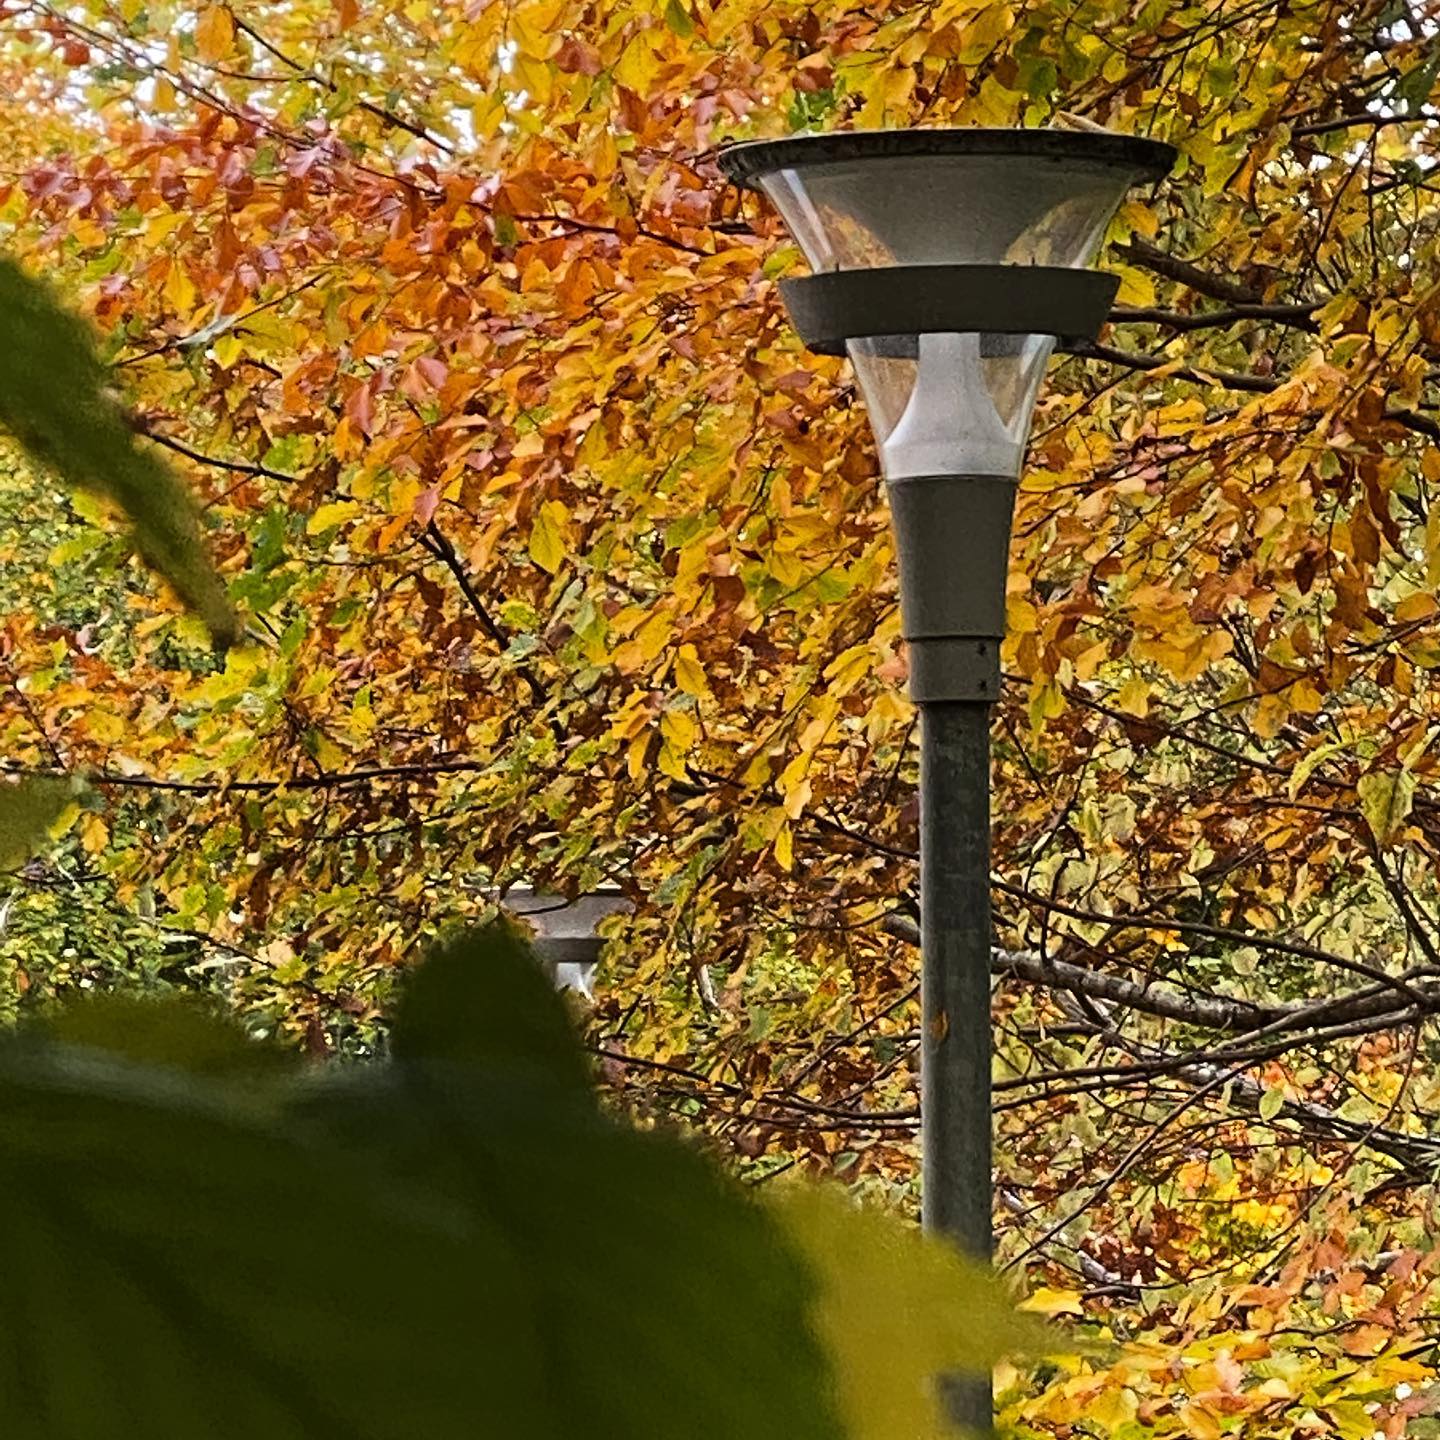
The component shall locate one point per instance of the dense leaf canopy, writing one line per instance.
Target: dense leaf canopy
(560, 560)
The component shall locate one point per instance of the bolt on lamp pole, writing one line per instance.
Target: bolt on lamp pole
(947, 264)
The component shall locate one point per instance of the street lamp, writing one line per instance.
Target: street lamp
(565, 933)
(947, 264)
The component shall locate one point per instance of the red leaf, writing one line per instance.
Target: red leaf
(425, 503)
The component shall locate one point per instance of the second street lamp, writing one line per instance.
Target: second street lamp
(947, 264)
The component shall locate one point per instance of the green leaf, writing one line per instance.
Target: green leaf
(483, 999)
(1413, 88)
(1385, 801)
(506, 230)
(173, 1271)
(53, 399)
(677, 17)
(28, 808)
(898, 1309)
(1272, 1102)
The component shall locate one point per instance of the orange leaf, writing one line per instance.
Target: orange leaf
(214, 34)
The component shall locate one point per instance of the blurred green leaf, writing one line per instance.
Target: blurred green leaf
(172, 1271)
(896, 1310)
(28, 807)
(53, 399)
(483, 999)
(671, 1303)
(170, 1032)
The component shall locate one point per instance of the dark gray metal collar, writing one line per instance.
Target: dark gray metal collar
(906, 300)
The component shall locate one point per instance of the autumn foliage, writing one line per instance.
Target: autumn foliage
(559, 560)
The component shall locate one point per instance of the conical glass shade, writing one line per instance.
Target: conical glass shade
(945, 403)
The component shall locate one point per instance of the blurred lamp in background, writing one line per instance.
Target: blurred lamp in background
(565, 932)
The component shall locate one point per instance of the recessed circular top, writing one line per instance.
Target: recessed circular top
(749, 162)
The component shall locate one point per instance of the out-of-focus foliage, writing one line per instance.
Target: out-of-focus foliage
(564, 561)
(54, 400)
(28, 807)
(203, 1240)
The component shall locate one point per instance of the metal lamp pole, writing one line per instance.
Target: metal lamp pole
(947, 264)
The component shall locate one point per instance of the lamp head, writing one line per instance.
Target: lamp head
(952, 388)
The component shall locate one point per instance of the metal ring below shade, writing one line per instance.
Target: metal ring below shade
(907, 300)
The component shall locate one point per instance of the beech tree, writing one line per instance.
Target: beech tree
(557, 559)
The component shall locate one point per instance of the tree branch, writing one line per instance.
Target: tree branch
(1186, 272)
(1375, 1005)
(1301, 317)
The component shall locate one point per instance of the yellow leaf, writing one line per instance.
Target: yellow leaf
(794, 786)
(785, 847)
(327, 517)
(635, 757)
(227, 350)
(547, 536)
(179, 290)
(390, 533)
(64, 820)
(1385, 801)
(1419, 606)
(104, 726)
(632, 717)
(94, 834)
(214, 34)
(327, 752)
(1200, 1423)
(639, 64)
(654, 635)
(488, 115)
(757, 772)
(981, 35)
(1115, 1406)
(689, 673)
(1045, 1301)
(849, 667)
(671, 762)
(535, 77)
(1138, 219)
(535, 25)
(604, 155)
(1136, 287)
(1046, 702)
(679, 729)
(1308, 763)
(1021, 616)
(870, 1268)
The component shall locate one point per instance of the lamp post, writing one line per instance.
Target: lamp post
(947, 264)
